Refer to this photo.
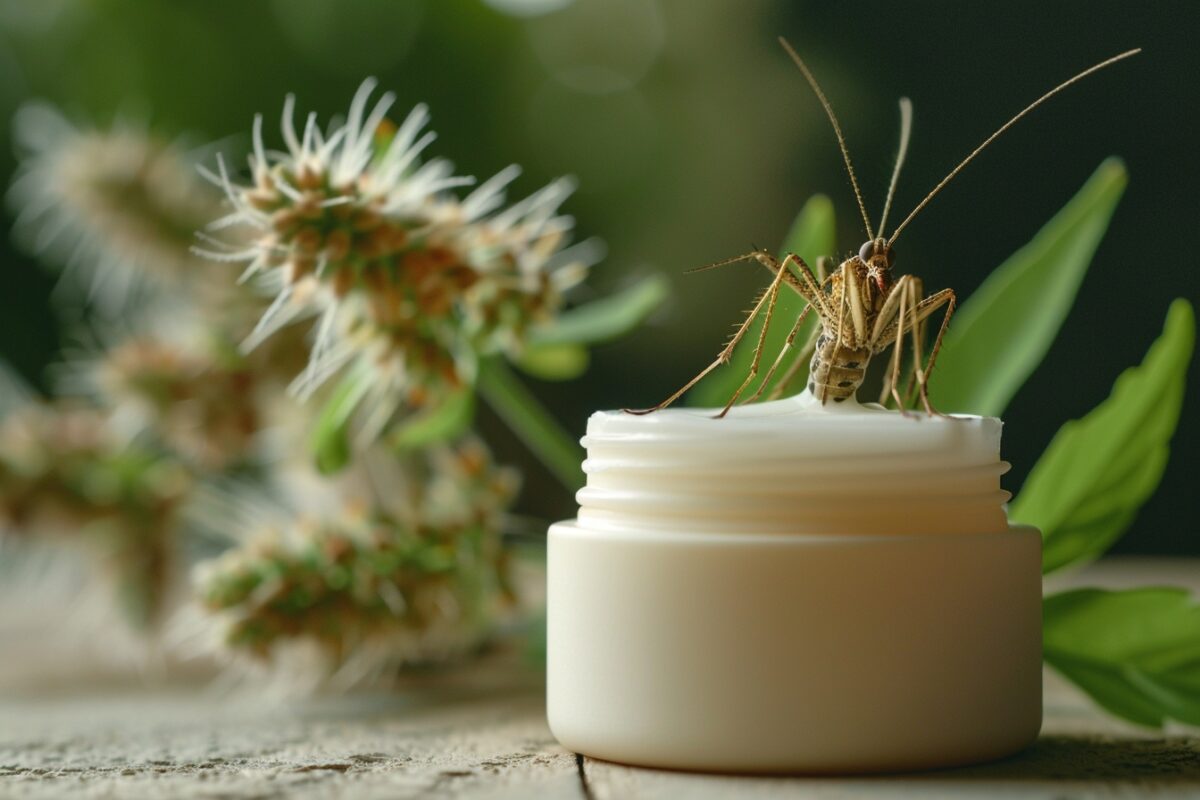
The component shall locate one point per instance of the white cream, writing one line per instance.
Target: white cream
(793, 467)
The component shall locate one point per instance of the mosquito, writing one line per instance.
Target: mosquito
(861, 308)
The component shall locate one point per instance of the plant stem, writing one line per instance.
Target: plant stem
(531, 421)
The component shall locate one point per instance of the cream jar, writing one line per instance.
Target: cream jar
(793, 588)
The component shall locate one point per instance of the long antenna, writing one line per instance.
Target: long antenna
(723, 262)
(837, 129)
(905, 132)
(1005, 127)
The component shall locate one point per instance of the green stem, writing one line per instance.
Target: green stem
(531, 421)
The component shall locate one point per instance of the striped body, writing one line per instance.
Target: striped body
(836, 372)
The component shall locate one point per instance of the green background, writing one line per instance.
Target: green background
(693, 136)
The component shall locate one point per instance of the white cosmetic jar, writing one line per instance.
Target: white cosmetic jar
(793, 589)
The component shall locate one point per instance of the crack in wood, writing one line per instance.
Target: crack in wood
(584, 786)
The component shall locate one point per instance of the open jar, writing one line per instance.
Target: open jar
(794, 588)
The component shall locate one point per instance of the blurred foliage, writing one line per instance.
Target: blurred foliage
(1137, 652)
(692, 137)
(67, 478)
(1085, 491)
(1003, 331)
(372, 585)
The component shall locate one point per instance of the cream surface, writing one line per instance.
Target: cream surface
(793, 466)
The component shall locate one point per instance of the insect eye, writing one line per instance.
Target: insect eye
(866, 251)
(888, 255)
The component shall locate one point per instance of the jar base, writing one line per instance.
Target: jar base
(796, 654)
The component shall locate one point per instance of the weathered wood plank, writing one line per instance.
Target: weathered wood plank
(468, 744)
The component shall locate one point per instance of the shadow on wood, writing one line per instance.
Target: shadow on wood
(1088, 758)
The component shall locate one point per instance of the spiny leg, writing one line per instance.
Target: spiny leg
(885, 390)
(722, 358)
(882, 334)
(918, 330)
(890, 326)
(814, 293)
(896, 349)
(907, 320)
(918, 370)
(803, 355)
(773, 292)
(945, 297)
(805, 284)
(823, 271)
(854, 303)
(787, 345)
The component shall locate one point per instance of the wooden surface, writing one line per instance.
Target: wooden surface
(482, 733)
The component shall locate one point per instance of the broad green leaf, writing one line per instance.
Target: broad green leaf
(449, 420)
(1004, 329)
(606, 318)
(531, 422)
(1086, 488)
(554, 362)
(811, 236)
(330, 442)
(1136, 652)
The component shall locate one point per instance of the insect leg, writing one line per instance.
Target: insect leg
(918, 331)
(803, 355)
(918, 342)
(823, 270)
(805, 284)
(805, 352)
(907, 320)
(722, 358)
(882, 333)
(822, 390)
(943, 298)
(773, 293)
(787, 345)
(852, 299)
(897, 346)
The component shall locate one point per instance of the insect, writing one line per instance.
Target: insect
(862, 309)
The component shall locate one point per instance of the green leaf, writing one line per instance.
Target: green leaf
(531, 422)
(811, 236)
(554, 362)
(1136, 652)
(1004, 329)
(1086, 488)
(330, 441)
(449, 420)
(606, 318)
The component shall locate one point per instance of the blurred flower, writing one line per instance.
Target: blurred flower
(201, 407)
(117, 207)
(371, 589)
(64, 474)
(408, 281)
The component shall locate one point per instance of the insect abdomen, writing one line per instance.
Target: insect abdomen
(836, 372)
